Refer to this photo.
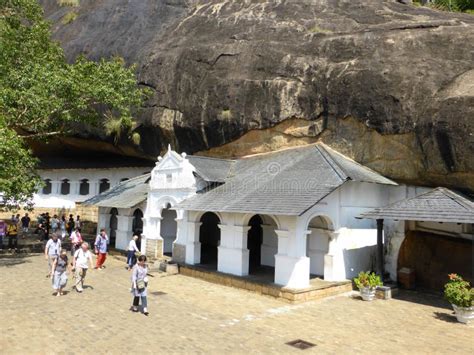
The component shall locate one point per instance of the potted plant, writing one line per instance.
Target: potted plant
(367, 282)
(460, 294)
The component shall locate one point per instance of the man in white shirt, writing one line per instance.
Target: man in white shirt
(51, 251)
(80, 263)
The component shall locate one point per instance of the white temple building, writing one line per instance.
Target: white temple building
(68, 181)
(292, 212)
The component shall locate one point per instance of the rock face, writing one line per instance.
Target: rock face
(388, 84)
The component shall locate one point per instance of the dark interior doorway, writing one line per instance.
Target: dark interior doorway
(113, 227)
(137, 225)
(209, 236)
(254, 243)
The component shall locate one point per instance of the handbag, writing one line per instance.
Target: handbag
(141, 285)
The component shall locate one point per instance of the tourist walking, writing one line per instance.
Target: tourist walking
(62, 226)
(132, 250)
(76, 240)
(54, 224)
(12, 233)
(101, 244)
(47, 224)
(25, 223)
(3, 232)
(51, 251)
(78, 222)
(140, 284)
(70, 224)
(59, 273)
(80, 263)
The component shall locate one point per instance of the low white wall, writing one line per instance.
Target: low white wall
(359, 248)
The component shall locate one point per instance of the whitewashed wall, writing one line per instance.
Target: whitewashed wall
(57, 200)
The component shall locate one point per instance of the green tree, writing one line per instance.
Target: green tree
(41, 95)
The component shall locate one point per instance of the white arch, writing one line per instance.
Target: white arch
(199, 215)
(328, 219)
(248, 216)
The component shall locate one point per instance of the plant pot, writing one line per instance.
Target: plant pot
(464, 314)
(367, 293)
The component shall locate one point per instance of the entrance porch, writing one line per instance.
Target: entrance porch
(261, 282)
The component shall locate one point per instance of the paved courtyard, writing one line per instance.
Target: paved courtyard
(192, 316)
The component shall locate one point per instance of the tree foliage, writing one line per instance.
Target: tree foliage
(454, 5)
(42, 95)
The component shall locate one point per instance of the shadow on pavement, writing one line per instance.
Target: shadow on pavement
(7, 260)
(445, 317)
(424, 297)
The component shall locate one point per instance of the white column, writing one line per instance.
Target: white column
(74, 186)
(233, 255)
(103, 221)
(123, 232)
(179, 244)
(269, 245)
(193, 246)
(291, 263)
(55, 187)
(331, 259)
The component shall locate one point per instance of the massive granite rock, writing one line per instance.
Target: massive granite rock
(389, 84)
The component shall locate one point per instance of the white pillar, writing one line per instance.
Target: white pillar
(179, 244)
(291, 264)
(233, 255)
(193, 246)
(55, 187)
(269, 245)
(103, 221)
(332, 259)
(153, 245)
(74, 187)
(124, 231)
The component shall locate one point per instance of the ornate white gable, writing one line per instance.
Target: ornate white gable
(172, 171)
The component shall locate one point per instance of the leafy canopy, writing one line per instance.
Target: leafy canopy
(42, 95)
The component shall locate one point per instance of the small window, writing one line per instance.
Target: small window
(169, 178)
(65, 187)
(47, 187)
(84, 187)
(104, 185)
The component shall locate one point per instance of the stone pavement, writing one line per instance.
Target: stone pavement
(192, 316)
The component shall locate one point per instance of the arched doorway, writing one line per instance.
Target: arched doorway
(254, 243)
(168, 229)
(317, 243)
(137, 225)
(209, 237)
(113, 224)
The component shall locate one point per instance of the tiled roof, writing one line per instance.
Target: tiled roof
(438, 205)
(126, 194)
(286, 182)
(211, 169)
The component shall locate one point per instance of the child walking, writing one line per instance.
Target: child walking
(139, 285)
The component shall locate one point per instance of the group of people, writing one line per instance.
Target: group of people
(10, 229)
(46, 225)
(82, 259)
(65, 226)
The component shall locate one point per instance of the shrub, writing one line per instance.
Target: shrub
(458, 292)
(69, 17)
(367, 279)
(454, 5)
(68, 2)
